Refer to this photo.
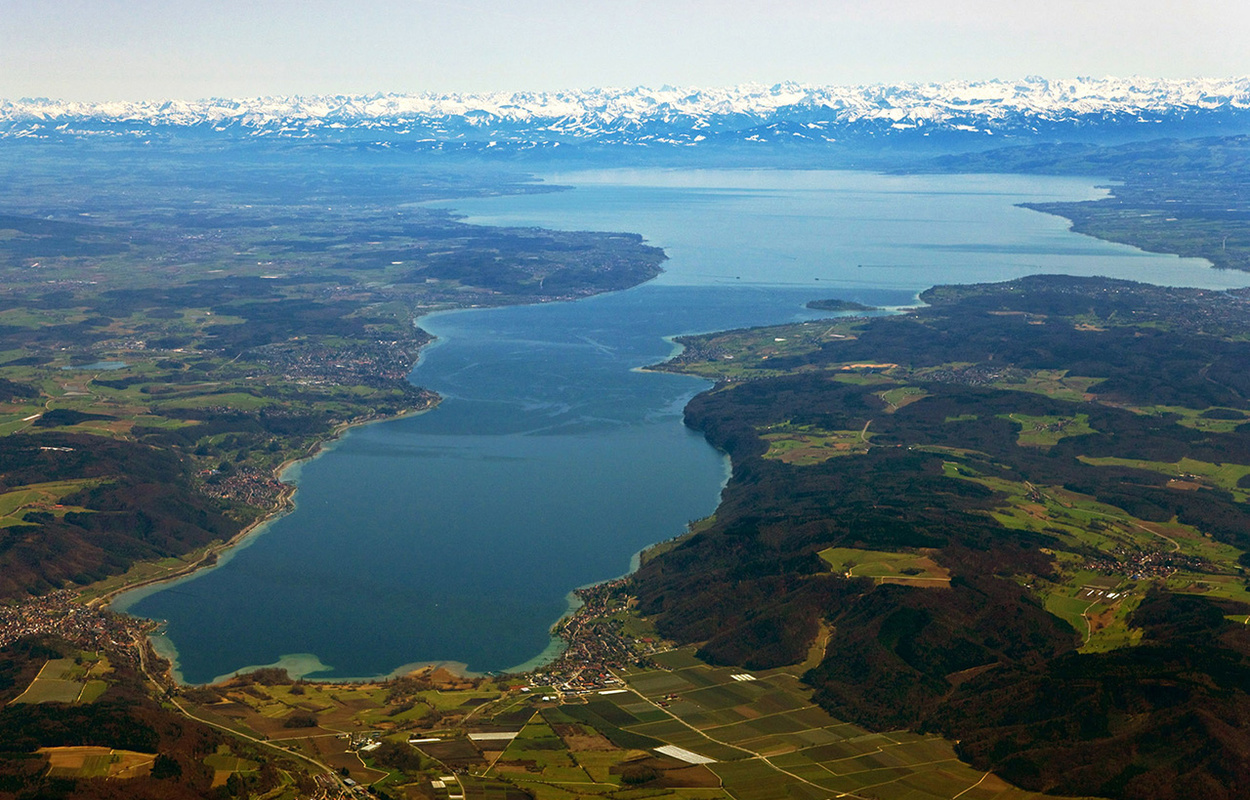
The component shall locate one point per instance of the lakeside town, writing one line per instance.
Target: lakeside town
(597, 645)
(89, 627)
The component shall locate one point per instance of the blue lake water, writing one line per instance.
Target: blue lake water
(456, 535)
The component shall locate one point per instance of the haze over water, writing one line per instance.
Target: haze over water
(456, 535)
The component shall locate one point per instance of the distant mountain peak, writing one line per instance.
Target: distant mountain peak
(668, 115)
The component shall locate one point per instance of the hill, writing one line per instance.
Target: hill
(1061, 466)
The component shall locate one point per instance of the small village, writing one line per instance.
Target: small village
(597, 645)
(1139, 565)
(60, 614)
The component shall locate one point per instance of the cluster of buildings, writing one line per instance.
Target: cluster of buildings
(597, 646)
(362, 742)
(58, 614)
(1142, 565)
(253, 487)
(361, 363)
(330, 787)
(977, 375)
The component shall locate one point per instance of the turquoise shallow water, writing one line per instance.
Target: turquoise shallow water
(456, 535)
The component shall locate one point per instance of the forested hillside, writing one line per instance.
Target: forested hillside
(1021, 512)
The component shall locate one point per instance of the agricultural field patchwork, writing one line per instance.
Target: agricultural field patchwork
(68, 680)
(812, 446)
(680, 729)
(97, 762)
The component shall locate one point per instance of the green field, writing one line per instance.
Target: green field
(783, 746)
(15, 503)
(1231, 587)
(744, 354)
(68, 680)
(1049, 430)
(96, 762)
(223, 761)
(916, 569)
(806, 446)
(901, 396)
(1056, 383)
(1080, 521)
(1187, 471)
(1206, 419)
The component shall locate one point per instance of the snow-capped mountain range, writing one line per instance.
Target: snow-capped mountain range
(790, 112)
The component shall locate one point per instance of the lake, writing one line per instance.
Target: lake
(456, 535)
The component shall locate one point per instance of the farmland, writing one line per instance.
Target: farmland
(68, 680)
(681, 728)
(147, 318)
(807, 445)
(916, 569)
(1071, 454)
(96, 762)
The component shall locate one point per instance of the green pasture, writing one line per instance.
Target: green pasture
(753, 780)
(677, 659)
(538, 745)
(15, 503)
(901, 396)
(862, 378)
(725, 696)
(909, 568)
(1195, 418)
(50, 690)
(1228, 587)
(1055, 383)
(1117, 633)
(1071, 610)
(1078, 520)
(1046, 431)
(804, 448)
(18, 420)
(92, 691)
(68, 680)
(1224, 476)
(1068, 600)
(239, 401)
(140, 572)
(25, 317)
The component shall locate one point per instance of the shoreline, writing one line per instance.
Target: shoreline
(211, 556)
(285, 504)
(552, 653)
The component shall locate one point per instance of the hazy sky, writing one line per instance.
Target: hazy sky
(153, 49)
